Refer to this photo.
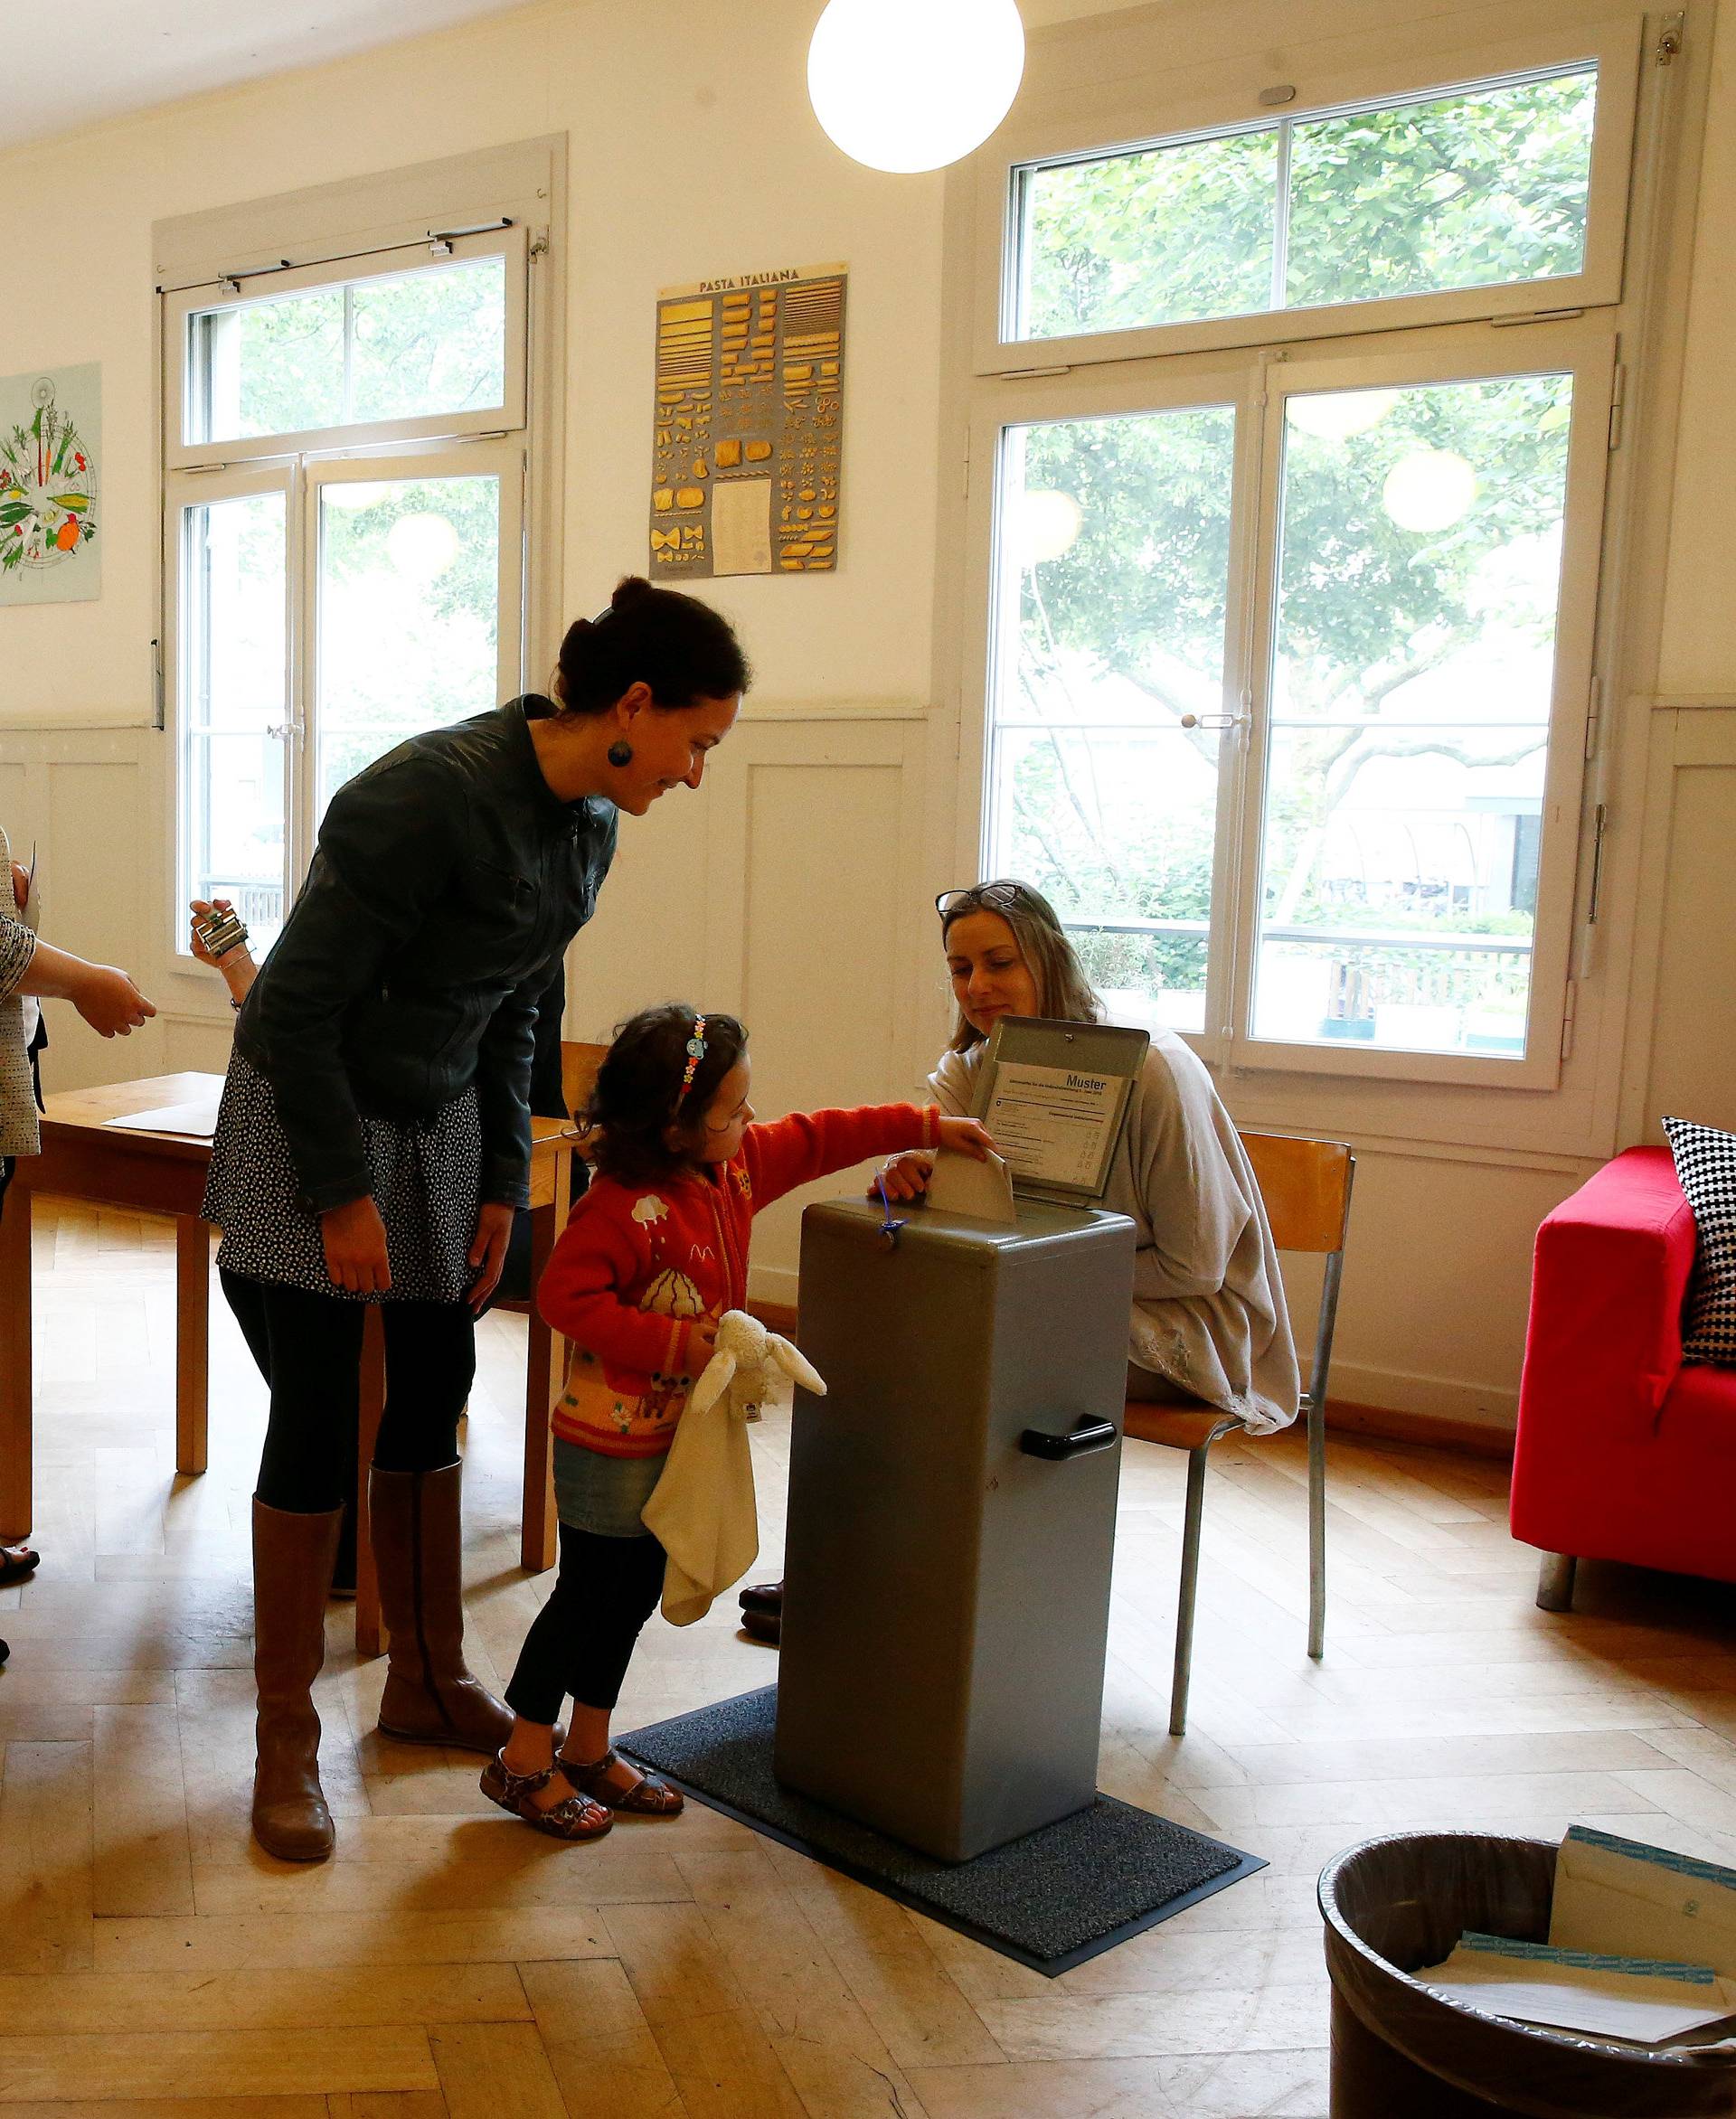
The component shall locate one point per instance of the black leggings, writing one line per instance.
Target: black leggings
(581, 1641)
(308, 1347)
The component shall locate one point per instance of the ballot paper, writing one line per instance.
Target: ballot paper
(1057, 1124)
(197, 1120)
(960, 1184)
(1618, 1896)
(1639, 1999)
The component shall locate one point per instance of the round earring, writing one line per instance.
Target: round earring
(620, 752)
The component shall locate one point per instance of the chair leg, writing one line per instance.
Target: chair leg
(1316, 1530)
(1188, 1592)
(1555, 1581)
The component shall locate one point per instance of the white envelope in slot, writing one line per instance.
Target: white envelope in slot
(1618, 1896)
(960, 1184)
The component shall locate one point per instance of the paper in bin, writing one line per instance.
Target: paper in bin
(1645, 1999)
(1623, 1898)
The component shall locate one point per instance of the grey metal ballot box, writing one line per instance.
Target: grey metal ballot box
(952, 1519)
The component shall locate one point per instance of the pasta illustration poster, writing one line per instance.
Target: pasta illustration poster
(747, 463)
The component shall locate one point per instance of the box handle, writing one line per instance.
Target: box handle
(1087, 1438)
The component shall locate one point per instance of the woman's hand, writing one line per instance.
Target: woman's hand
(355, 1247)
(905, 1176)
(966, 1137)
(487, 1254)
(20, 885)
(108, 1000)
(237, 965)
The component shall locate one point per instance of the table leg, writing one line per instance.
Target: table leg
(373, 1401)
(544, 1380)
(17, 1368)
(191, 1343)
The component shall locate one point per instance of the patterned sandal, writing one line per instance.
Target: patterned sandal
(576, 1818)
(650, 1796)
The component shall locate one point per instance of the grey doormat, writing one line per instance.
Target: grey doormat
(1051, 1900)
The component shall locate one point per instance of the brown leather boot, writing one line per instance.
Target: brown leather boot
(292, 1569)
(431, 1697)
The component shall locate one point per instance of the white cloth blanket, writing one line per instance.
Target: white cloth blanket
(703, 1510)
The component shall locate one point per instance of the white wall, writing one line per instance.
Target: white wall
(794, 886)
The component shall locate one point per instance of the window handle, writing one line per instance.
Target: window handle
(1216, 720)
(283, 731)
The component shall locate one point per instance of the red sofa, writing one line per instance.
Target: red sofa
(1622, 1453)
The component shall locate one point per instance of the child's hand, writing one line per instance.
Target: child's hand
(702, 1341)
(966, 1137)
(905, 1176)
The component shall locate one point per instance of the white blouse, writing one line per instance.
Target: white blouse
(1208, 1298)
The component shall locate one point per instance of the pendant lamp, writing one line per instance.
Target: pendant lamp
(904, 85)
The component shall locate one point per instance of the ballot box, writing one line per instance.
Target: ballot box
(951, 1520)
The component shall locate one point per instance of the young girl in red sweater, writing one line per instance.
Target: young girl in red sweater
(653, 1254)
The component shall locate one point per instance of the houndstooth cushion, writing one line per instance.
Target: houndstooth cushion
(1705, 1162)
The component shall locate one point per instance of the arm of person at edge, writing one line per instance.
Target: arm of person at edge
(102, 993)
(236, 966)
(386, 848)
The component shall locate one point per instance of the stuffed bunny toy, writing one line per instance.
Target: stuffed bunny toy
(702, 1507)
(753, 1366)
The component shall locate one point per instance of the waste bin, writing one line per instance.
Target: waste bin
(951, 1523)
(1394, 1904)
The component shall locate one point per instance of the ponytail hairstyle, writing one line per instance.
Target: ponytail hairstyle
(639, 1092)
(682, 648)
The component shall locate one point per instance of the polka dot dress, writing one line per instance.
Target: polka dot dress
(427, 1183)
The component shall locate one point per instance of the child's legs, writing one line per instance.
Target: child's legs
(581, 1641)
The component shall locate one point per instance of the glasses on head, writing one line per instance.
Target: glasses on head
(993, 898)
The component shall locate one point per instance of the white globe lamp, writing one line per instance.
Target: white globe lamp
(903, 85)
(1338, 414)
(1049, 524)
(422, 547)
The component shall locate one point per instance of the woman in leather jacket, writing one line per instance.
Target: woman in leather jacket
(373, 1141)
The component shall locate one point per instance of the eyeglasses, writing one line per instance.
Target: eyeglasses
(994, 897)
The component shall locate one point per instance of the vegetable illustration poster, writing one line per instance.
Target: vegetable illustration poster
(746, 468)
(51, 438)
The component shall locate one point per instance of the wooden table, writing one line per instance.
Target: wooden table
(84, 1157)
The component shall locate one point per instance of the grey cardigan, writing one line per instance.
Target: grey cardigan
(18, 1129)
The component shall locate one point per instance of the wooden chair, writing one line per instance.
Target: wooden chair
(1305, 1185)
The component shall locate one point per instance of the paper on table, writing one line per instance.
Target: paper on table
(960, 1184)
(1581, 1990)
(1619, 1895)
(1056, 1124)
(197, 1120)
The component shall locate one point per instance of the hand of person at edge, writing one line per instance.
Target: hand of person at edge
(905, 1176)
(20, 885)
(488, 1251)
(355, 1247)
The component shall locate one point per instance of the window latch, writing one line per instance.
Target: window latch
(281, 731)
(1216, 720)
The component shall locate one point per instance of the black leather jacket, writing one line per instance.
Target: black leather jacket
(448, 881)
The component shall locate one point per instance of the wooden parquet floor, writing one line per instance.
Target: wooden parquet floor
(153, 1965)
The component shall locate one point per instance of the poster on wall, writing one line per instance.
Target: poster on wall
(51, 436)
(749, 446)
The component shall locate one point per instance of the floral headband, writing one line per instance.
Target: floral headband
(696, 1053)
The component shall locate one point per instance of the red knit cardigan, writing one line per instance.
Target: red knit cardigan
(637, 1266)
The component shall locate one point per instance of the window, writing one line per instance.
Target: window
(346, 464)
(1483, 187)
(1289, 649)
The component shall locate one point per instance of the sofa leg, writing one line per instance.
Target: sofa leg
(1555, 1582)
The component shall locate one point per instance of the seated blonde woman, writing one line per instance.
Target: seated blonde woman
(1208, 1325)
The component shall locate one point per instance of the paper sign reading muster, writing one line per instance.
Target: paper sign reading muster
(1054, 1124)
